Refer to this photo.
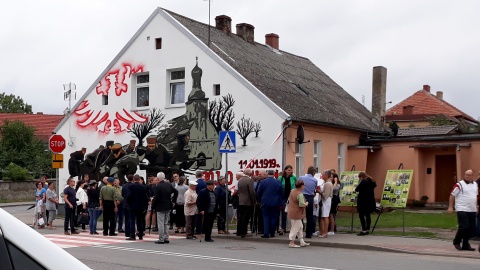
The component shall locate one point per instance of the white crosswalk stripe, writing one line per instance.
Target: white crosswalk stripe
(85, 240)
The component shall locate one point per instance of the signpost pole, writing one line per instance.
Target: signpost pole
(226, 192)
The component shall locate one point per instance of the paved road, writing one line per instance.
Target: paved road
(100, 252)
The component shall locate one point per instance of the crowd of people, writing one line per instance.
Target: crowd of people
(263, 202)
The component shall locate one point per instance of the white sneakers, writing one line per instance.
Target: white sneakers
(331, 233)
(316, 233)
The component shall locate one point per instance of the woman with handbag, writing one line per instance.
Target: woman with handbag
(366, 201)
(39, 199)
(296, 211)
(82, 200)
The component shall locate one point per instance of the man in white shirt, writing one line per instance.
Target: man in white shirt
(464, 195)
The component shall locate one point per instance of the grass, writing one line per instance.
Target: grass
(12, 201)
(394, 219)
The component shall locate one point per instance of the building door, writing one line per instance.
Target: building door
(445, 176)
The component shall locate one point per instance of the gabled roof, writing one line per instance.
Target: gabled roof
(292, 82)
(424, 102)
(44, 124)
(291, 85)
(429, 130)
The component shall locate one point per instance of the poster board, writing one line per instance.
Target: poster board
(348, 183)
(396, 188)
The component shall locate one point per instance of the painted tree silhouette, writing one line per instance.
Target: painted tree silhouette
(257, 128)
(221, 113)
(141, 130)
(244, 127)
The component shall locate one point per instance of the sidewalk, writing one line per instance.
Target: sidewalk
(410, 245)
(372, 242)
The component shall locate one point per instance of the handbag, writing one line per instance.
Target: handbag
(83, 218)
(286, 207)
(41, 221)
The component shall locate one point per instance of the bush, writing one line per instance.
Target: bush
(14, 172)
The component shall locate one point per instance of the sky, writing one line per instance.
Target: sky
(45, 44)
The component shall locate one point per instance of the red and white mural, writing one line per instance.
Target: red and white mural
(104, 122)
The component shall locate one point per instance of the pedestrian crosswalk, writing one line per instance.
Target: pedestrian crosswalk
(86, 239)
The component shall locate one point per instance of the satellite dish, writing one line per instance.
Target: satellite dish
(300, 134)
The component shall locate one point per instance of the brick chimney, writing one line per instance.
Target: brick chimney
(426, 87)
(408, 110)
(272, 40)
(224, 23)
(246, 31)
(440, 94)
(379, 94)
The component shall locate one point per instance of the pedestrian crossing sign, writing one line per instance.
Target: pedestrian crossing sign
(227, 142)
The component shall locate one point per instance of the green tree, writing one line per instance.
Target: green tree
(13, 104)
(19, 145)
(440, 120)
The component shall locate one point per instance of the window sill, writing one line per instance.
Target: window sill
(139, 109)
(171, 106)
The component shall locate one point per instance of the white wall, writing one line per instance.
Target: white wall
(178, 51)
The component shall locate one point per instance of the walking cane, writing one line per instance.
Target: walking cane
(255, 221)
(151, 219)
(201, 231)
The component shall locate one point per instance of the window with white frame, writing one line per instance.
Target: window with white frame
(341, 157)
(142, 89)
(299, 159)
(177, 88)
(317, 155)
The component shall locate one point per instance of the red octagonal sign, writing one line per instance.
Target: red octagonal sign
(56, 143)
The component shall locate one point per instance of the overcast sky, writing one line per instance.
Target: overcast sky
(44, 44)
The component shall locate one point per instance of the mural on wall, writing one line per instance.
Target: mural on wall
(103, 121)
(188, 142)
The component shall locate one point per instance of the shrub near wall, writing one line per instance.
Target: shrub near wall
(13, 172)
(17, 191)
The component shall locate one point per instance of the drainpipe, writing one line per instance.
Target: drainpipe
(285, 125)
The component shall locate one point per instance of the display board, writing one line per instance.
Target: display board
(396, 188)
(348, 183)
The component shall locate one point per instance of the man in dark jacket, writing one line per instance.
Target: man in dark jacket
(269, 194)
(163, 203)
(137, 203)
(207, 208)
(201, 184)
(221, 196)
(125, 191)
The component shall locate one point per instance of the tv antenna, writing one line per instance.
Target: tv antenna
(69, 92)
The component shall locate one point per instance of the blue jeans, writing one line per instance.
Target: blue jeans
(94, 214)
(119, 218)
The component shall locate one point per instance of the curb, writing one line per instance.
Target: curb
(349, 246)
(13, 204)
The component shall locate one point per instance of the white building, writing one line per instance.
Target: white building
(268, 86)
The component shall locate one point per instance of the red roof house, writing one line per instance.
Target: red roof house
(423, 105)
(44, 124)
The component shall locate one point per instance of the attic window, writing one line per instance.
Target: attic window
(104, 99)
(158, 43)
(216, 89)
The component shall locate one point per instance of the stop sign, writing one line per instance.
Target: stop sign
(56, 143)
